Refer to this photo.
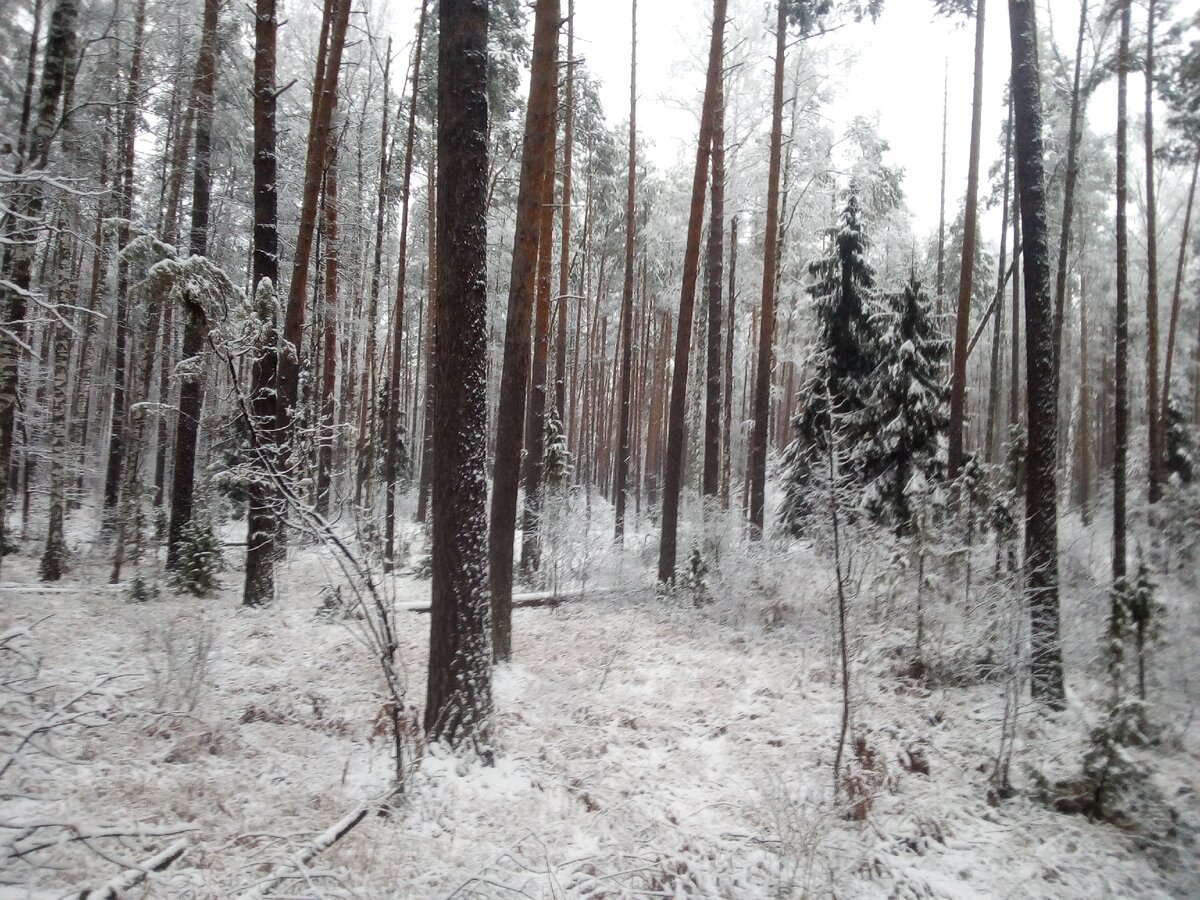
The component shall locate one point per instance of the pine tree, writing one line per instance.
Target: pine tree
(906, 411)
(844, 359)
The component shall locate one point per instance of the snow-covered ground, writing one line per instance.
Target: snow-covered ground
(646, 747)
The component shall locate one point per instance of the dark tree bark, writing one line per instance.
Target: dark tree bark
(195, 328)
(458, 708)
(623, 448)
(1154, 463)
(510, 417)
(1121, 358)
(962, 321)
(30, 78)
(16, 265)
(756, 462)
(325, 422)
(259, 588)
(1041, 527)
(128, 138)
(716, 251)
(391, 455)
(673, 462)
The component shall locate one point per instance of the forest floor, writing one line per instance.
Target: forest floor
(645, 747)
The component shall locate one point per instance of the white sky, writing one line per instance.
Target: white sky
(896, 74)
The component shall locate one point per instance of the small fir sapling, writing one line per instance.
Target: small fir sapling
(199, 560)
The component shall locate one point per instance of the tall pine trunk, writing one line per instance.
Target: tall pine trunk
(623, 448)
(716, 251)
(962, 320)
(195, 328)
(1121, 360)
(259, 587)
(1041, 526)
(756, 462)
(673, 462)
(510, 417)
(458, 707)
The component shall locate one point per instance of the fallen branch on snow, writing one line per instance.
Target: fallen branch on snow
(320, 843)
(112, 890)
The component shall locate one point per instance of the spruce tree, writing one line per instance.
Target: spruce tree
(906, 413)
(844, 358)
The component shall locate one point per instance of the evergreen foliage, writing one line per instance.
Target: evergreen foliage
(845, 356)
(1180, 464)
(557, 467)
(903, 454)
(199, 558)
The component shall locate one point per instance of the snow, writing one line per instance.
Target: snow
(645, 746)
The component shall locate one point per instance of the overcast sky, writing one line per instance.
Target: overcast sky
(896, 74)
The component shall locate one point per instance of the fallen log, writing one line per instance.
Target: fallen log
(535, 598)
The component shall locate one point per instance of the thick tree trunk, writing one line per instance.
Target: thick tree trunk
(623, 449)
(756, 462)
(391, 456)
(1014, 347)
(195, 328)
(261, 524)
(458, 708)
(716, 251)
(1121, 361)
(962, 320)
(1041, 526)
(673, 463)
(17, 262)
(510, 417)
